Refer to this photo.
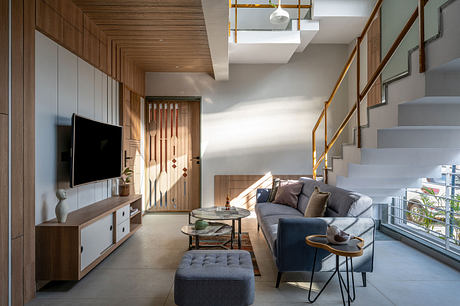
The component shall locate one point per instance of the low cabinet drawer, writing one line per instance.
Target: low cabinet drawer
(123, 230)
(123, 214)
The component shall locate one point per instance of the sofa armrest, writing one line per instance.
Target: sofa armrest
(262, 195)
(293, 254)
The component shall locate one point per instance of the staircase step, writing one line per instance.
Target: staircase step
(391, 171)
(351, 183)
(410, 156)
(419, 137)
(429, 111)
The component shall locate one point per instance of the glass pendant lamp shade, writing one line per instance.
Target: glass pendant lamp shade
(279, 16)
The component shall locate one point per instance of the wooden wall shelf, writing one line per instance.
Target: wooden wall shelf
(68, 251)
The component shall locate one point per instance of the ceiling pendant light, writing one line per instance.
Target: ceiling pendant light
(279, 16)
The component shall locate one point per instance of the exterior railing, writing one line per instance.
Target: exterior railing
(361, 94)
(432, 212)
(236, 6)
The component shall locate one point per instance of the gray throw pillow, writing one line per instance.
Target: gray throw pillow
(288, 193)
(317, 204)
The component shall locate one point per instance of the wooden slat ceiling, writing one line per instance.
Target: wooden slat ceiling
(158, 35)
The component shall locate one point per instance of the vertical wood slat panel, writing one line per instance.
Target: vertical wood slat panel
(17, 121)
(17, 271)
(4, 57)
(29, 150)
(374, 96)
(3, 207)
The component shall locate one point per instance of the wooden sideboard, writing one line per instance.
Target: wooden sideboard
(68, 251)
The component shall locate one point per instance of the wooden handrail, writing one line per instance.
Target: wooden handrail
(302, 6)
(361, 94)
(342, 75)
(236, 6)
(389, 54)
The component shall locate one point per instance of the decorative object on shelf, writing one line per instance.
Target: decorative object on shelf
(62, 210)
(279, 16)
(133, 211)
(201, 224)
(227, 203)
(115, 185)
(337, 236)
(126, 182)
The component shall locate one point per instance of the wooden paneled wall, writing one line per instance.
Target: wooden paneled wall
(22, 151)
(66, 24)
(242, 189)
(3, 152)
(374, 96)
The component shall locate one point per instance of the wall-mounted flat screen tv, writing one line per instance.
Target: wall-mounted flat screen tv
(96, 151)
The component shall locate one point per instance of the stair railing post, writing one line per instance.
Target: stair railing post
(313, 152)
(325, 141)
(421, 31)
(358, 92)
(236, 21)
(298, 21)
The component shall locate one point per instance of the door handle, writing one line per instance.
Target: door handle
(126, 158)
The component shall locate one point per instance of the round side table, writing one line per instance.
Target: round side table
(354, 248)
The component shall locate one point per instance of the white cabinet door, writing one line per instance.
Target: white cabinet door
(122, 230)
(95, 239)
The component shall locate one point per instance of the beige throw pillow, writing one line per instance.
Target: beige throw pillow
(317, 204)
(288, 193)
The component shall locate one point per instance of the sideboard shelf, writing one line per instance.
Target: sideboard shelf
(68, 251)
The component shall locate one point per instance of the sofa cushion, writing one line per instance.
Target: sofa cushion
(341, 201)
(269, 209)
(317, 204)
(288, 193)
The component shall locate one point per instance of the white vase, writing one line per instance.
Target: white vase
(62, 209)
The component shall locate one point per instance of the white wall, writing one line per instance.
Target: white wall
(261, 119)
(65, 84)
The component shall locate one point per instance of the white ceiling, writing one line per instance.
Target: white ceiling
(339, 30)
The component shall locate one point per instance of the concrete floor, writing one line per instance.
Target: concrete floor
(141, 272)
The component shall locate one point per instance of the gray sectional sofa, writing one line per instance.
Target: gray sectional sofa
(285, 228)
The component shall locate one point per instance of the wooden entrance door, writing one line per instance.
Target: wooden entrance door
(173, 155)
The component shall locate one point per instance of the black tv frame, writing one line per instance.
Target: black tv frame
(72, 148)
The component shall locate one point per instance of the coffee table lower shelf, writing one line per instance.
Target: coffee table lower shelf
(214, 229)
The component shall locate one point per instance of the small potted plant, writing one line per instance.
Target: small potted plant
(125, 182)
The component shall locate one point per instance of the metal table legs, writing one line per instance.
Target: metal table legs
(341, 280)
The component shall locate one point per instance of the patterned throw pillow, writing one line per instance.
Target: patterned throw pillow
(317, 204)
(288, 193)
(275, 185)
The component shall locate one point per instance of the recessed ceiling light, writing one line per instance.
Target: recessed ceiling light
(177, 67)
(161, 40)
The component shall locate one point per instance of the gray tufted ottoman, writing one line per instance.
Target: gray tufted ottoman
(214, 278)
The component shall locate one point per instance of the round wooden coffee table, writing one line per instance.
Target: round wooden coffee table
(354, 248)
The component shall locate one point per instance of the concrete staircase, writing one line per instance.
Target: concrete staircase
(426, 133)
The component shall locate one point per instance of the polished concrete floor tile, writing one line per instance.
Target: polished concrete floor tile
(141, 272)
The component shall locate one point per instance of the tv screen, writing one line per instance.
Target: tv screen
(96, 151)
